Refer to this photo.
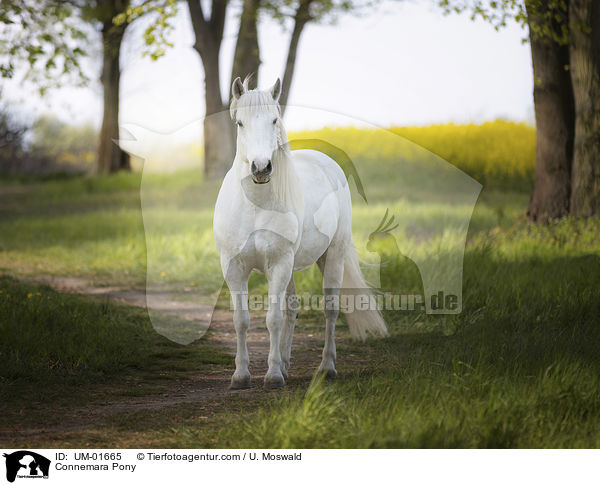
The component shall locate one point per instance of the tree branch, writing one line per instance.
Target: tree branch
(196, 14)
(217, 18)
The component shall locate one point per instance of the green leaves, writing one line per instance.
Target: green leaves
(156, 35)
(46, 38)
(545, 18)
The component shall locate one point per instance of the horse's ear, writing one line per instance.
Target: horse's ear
(276, 90)
(237, 88)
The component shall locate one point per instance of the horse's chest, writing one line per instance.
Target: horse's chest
(263, 249)
(282, 224)
(259, 236)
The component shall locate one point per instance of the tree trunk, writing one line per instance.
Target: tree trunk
(110, 157)
(554, 115)
(219, 147)
(246, 58)
(301, 18)
(585, 76)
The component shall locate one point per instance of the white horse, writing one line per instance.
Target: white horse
(278, 212)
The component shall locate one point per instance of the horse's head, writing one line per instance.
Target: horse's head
(259, 134)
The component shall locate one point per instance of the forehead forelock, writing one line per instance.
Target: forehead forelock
(254, 103)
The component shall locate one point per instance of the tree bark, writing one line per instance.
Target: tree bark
(246, 58)
(301, 18)
(585, 76)
(219, 147)
(554, 114)
(110, 157)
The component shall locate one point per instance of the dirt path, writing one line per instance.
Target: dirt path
(221, 326)
(211, 387)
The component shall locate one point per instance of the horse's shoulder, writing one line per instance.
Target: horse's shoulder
(227, 189)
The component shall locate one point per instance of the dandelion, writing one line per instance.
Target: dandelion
(38, 294)
(163, 273)
(29, 295)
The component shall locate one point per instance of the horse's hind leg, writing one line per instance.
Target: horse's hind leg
(287, 332)
(331, 265)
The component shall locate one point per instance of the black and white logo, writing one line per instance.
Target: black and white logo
(26, 464)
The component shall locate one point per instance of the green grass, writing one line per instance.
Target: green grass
(520, 367)
(51, 335)
(92, 227)
(45, 333)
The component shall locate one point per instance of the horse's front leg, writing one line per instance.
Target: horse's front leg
(237, 281)
(278, 276)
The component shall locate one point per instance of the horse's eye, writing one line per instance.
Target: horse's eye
(239, 123)
(275, 121)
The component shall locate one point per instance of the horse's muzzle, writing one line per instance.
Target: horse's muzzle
(261, 176)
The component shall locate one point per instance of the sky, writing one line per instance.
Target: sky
(403, 64)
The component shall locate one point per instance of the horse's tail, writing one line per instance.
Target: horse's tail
(363, 316)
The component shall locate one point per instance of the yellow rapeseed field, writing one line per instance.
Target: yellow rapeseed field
(496, 153)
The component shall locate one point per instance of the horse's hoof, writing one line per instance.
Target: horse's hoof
(274, 382)
(284, 371)
(240, 382)
(330, 374)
